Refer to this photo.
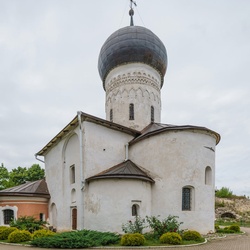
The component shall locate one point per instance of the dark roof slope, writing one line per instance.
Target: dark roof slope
(124, 170)
(89, 118)
(35, 189)
(157, 128)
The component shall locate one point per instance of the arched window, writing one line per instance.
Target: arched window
(135, 210)
(8, 215)
(152, 114)
(208, 176)
(72, 174)
(111, 115)
(131, 111)
(187, 198)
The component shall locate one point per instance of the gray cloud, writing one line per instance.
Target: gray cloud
(48, 71)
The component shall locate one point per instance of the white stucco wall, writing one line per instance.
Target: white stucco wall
(57, 167)
(135, 83)
(102, 148)
(109, 203)
(176, 159)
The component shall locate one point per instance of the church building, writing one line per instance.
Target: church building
(102, 173)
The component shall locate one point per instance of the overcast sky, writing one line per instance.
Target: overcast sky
(48, 71)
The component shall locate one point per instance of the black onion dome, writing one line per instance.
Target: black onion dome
(132, 44)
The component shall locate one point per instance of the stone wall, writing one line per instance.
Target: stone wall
(232, 208)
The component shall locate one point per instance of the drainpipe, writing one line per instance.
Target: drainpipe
(38, 159)
(79, 115)
(126, 152)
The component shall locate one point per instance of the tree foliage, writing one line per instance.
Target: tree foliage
(19, 175)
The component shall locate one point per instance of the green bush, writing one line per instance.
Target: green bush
(235, 228)
(42, 233)
(159, 227)
(216, 227)
(5, 231)
(135, 239)
(18, 236)
(77, 239)
(225, 231)
(134, 226)
(28, 223)
(171, 238)
(224, 192)
(191, 235)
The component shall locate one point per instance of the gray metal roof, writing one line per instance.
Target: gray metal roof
(132, 44)
(35, 188)
(157, 128)
(124, 170)
(89, 118)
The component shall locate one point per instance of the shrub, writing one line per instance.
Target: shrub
(28, 223)
(225, 230)
(224, 192)
(5, 231)
(135, 239)
(76, 239)
(234, 228)
(170, 224)
(216, 227)
(171, 238)
(191, 235)
(134, 227)
(19, 236)
(42, 233)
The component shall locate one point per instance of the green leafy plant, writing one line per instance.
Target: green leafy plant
(191, 235)
(224, 192)
(171, 238)
(159, 227)
(5, 232)
(135, 226)
(135, 239)
(235, 228)
(28, 223)
(77, 239)
(18, 236)
(42, 233)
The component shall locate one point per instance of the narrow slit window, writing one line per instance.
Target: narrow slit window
(72, 174)
(111, 115)
(131, 111)
(152, 114)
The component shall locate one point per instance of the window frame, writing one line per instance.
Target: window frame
(152, 113)
(72, 174)
(131, 111)
(7, 217)
(187, 198)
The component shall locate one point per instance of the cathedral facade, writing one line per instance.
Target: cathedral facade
(102, 173)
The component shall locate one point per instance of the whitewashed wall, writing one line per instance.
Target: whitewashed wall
(109, 203)
(176, 159)
(135, 83)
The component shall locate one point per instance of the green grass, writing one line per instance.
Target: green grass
(229, 223)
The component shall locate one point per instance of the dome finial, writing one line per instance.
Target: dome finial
(131, 12)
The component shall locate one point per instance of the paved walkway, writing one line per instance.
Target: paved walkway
(236, 242)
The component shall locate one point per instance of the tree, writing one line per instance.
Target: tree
(35, 172)
(19, 175)
(4, 177)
